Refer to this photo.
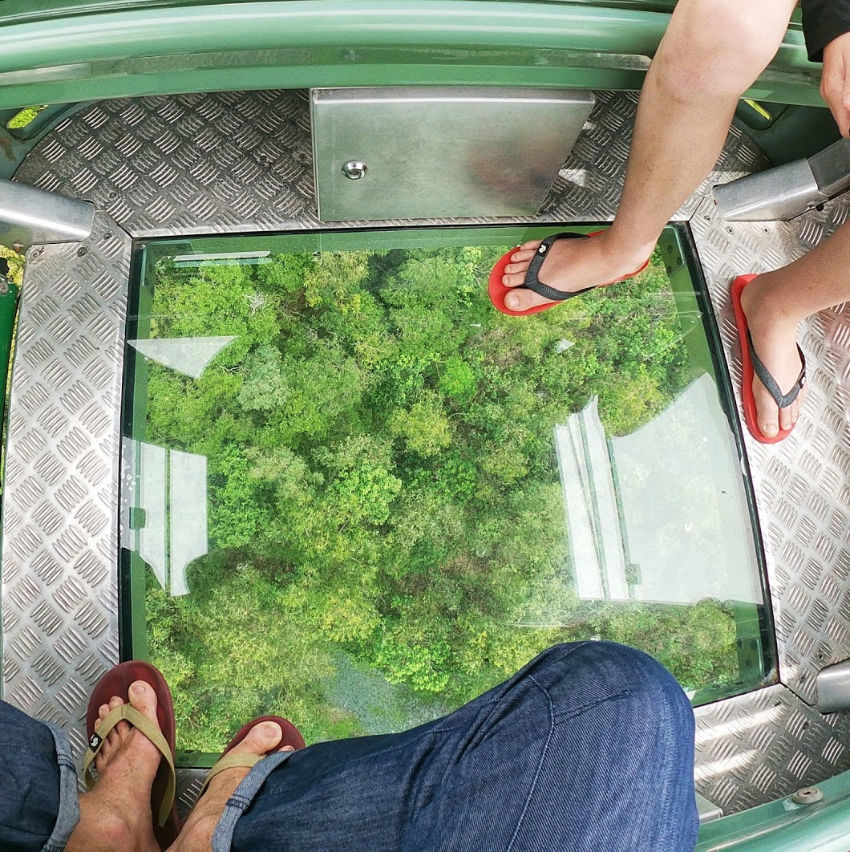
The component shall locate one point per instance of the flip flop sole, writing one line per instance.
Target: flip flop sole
(117, 682)
(748, 403)
(497, 291)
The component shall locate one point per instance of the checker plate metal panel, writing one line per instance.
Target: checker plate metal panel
(216, 163)
(243, 161)
(766, 745)
(60, 536)
(802, 485)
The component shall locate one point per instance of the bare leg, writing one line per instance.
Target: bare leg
(776, 301)
(197, 833)
(117, 813)
(712, 52)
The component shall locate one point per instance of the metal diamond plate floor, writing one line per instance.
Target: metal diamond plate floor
(242, 162)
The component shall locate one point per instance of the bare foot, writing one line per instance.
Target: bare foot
(117, 813)
(775, 342)
(198, 831)
(571, 265)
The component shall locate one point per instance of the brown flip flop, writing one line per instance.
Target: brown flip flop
(116, 682)
(291, 737)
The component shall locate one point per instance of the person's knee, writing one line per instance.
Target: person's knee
(579, 675)
(717, 48)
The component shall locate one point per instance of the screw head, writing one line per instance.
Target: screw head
(807, 796)
(355, 169)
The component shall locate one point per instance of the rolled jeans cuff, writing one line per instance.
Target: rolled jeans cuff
(69, 804)
(242, 797)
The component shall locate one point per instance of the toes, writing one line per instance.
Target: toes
(113, 738)
(104, 709)
(785, 421)
(104, 753)
(521, 300)
(143, 698)
(768, 420)
(530, 245)
(768, 428)
(514, 280)
(261, 738)
(522, 256)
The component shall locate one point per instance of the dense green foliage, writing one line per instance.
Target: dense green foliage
(16, 264)
(384, 497)
(24, 117)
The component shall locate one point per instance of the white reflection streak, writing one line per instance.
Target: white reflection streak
(726, 765)
(738, 726)
(187, 355)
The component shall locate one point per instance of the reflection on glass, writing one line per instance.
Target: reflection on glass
(639, 529)
(357, 495)
(166, 540)
(188, 355)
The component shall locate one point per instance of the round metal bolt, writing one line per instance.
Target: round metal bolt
(354, 169)
(807, 796)
(82, 251)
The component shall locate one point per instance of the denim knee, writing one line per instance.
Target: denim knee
(579, 675)
(29, 779)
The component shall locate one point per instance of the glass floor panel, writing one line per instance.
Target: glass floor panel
(355, 494)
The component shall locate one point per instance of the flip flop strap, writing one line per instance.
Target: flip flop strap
(782, 400)
(533, 283)
(229, 761)
(128, 713)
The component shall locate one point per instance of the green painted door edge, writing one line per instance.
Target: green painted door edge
(189, 47)
(783, 826)
(8, 315)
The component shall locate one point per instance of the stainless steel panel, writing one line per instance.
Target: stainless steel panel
(833, 688)
(29, 216)
(831, 168)
(802, 485)
(780, 193)
(418, 152)
(789, 190)
(60, 525)
(765, 745)
(235, 161)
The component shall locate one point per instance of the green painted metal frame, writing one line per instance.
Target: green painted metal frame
(75, 51)
(783, 826)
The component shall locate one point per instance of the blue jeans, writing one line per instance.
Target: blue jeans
(589, 747)
(38, 784)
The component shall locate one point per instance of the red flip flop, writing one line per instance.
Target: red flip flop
(291, 737)
(751, 365)
(116, 682)
(497, 291)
